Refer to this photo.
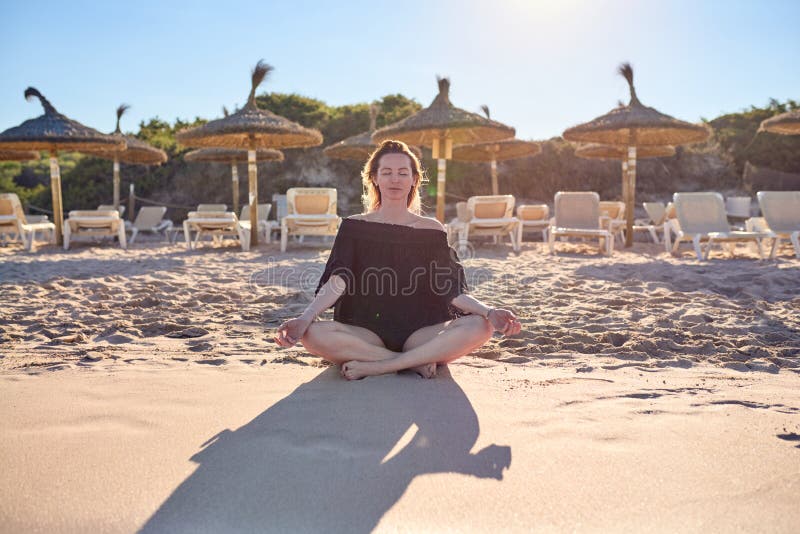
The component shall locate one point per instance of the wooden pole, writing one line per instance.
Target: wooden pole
(252, 180)
(441, 173)
(625, 180)
(630, 202)
(235, 185)
(55, 191)
(131, 203)
(116, 183)
(495, 187)
(442, 150)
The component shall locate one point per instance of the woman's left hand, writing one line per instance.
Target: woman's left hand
(504, 321)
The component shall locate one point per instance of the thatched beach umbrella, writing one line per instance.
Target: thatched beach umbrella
(357, 147)
(53, 132)
(19, 155)
(440, 126)
(634, 126)
(251, 128)
(233, 157)
(620, 153)
(785, 124)
(360, 146)
(495, 151)
(136, 152)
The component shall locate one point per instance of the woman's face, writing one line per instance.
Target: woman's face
(395, 178)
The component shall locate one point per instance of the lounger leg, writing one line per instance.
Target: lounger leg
(760, 249)
(653, 234)
(698, 249)
(244, 239)
(551, 242)
(463, 238)
(519, 235)
(544, 235)
(514, 243)
(67, 233)
(134, 231)
(187, 235)
(667, 238)
(775, 242)
(284, 237)
(795, 238)
(122, 237)
(675, 246)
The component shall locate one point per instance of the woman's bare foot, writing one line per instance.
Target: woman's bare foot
(354, 370)
(427, 370)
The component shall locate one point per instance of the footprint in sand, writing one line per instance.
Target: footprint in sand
(202, 346)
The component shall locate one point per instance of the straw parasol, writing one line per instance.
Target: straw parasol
(233, 157)
(53, 132)
(19, 155)
(360, 146)
(785, 124)
(136, 152)
(495, 151)
(439, 126)
(251, 128)
(634, 126)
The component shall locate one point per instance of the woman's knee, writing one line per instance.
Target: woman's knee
(479, 325)
(315, 332)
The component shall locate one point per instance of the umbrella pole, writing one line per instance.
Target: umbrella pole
(440, 181)
(631, 200)
(116, 183)
(625, 181)
(55, 189)
(252, 179)
(235, 184)
(495, 187)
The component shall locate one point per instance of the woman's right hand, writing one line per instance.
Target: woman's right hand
(291, 331)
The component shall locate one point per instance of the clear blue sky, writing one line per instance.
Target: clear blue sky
(540, 65)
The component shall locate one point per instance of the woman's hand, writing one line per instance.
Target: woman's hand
(291, 331)
(504, 321)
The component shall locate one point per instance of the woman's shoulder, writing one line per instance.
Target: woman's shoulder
(428, 223)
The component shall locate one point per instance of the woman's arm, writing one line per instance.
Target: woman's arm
(291, 331)
(503, 321)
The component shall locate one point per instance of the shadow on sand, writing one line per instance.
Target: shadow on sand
(319, 460)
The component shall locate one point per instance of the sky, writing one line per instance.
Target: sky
(540, 65)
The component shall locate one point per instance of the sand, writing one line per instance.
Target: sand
(140, 389)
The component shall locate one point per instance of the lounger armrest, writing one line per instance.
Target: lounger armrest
(315, 217)
(502, 220)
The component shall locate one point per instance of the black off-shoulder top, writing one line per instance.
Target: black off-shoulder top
(397, 277)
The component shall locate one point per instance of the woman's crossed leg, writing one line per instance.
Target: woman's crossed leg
(440, 343)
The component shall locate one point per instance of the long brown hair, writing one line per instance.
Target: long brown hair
(372, 195)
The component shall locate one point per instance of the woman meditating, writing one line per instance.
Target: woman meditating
(398, 288)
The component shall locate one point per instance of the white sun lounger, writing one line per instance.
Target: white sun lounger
(94, 223)
(577, 214)
(149, 219)
(781, 210)
(701, 217)
(310, 211)
(13, 222)
(216, 224)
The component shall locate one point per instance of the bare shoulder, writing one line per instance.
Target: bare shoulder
(429, 223)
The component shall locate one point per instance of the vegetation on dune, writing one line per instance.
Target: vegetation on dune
(717, 164)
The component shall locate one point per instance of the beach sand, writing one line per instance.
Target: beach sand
(141, 389)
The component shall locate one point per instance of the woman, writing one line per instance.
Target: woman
(399, 290)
